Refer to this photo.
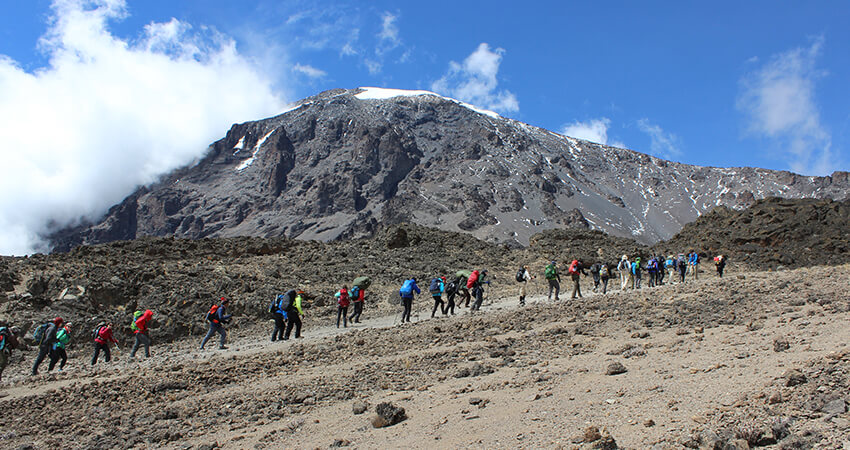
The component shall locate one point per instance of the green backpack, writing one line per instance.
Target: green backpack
(136, 315)
(549, 272)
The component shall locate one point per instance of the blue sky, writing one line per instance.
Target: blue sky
(99, 96)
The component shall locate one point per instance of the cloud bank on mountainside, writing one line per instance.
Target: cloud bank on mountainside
(109, 114)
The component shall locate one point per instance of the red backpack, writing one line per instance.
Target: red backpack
(472, 279)
(210, 317)
(573, 267)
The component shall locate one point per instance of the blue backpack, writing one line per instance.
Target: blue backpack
(406, 288)
(435, 286)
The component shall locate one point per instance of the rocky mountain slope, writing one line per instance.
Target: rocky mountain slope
(344, 162)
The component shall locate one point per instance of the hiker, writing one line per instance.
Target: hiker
(45, 337)
(652, 270)
(102, 338)
(670, 265)
(575, 270)
(278, 316)
(451, 291)
(594, 272)
(465, 297)
(357, 296)
(682, 264)
(141, 332)
(342, 303)
(637, 273)
(217, 317)
(624, 267)
(406, 293)
(554, 279)
(437, 287)
(477, 282)
(8, 341)
(523, 277)
(659, 274)
(604, 276)
(63, 337)
(693, 262)
(719, 264)
(292, 308)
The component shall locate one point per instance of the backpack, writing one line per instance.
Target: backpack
(520, 274)
(354, 293)
(96, 332)
(210, 317)
(273, 307)
(473, 278)
(549, 272)
(406, 288)
(603, 271)
(136, 316)
(451, 288)
(3, 333)
(38, 334)
(435, 286)
(573, 270)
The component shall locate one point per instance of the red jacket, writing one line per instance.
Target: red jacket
(105, 336)
(142, 322)
(472, 279)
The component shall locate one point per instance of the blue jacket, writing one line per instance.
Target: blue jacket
(221, 315)
(408, 288)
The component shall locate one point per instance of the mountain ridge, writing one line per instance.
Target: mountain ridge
(343, 163)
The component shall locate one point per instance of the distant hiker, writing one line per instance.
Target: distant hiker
(624, 267)
(719, 264)
(465, 297)
(652, 271)
(278, 316)
(102, 338)
(45, 337)
(554, 279)
(670, 266)
(693, 262)
(436, 288)
(140, 330)
(451, 291)
(217, 317)
(406, 293)
(357, 296)
(63, 337)
(604, 276)
(292, 308)
(576, 270)
(637, 273)
(8, 341)
(342, 302)
(523, 276)
(475, 284)
(594, 272)
(682, 265)
(659, 274)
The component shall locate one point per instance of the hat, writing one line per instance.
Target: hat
(553, 262)
(58, 320)
(224, 300)
(624, 257)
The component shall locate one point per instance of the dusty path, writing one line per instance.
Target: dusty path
(700, 359)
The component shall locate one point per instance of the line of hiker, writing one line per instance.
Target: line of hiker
(468, 284)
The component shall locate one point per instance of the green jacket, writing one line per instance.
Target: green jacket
(298, 305)
(62, 338)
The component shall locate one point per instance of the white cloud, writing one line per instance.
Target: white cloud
(475, 81)
(662, 144)
(389, 33)
(106, 115)
(594, 130)
(309, 70)
(778, 100)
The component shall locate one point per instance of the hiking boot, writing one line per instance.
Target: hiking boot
(222, 347)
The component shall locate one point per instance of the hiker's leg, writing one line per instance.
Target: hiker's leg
(223, 334)
(338, 314)
(135, 346)
(54, 358)
(107, 354)
(96, 352)
(210, 334)
(63, 355)
(297, 320)
(146, 341)
(43, 351)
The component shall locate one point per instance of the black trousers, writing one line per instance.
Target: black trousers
(408, 306)
(279, 327)
(43, 351)
(450, 305)
(293, 320)
(55, 355)
(478, 293)
(342, 313)
(97, 348)
(358, 310)
(438, 303)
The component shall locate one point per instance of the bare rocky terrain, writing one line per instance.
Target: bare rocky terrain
(754, 359)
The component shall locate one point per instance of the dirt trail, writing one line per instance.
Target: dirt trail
(700, 359)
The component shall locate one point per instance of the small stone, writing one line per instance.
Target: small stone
(774, 398)
(615, 368)
(359, 407)
(794, 377)
(474, 400)
(780, 344)
(737, 444)
(379, 422)
(390, 415)
(591, 434)
(649, 423)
